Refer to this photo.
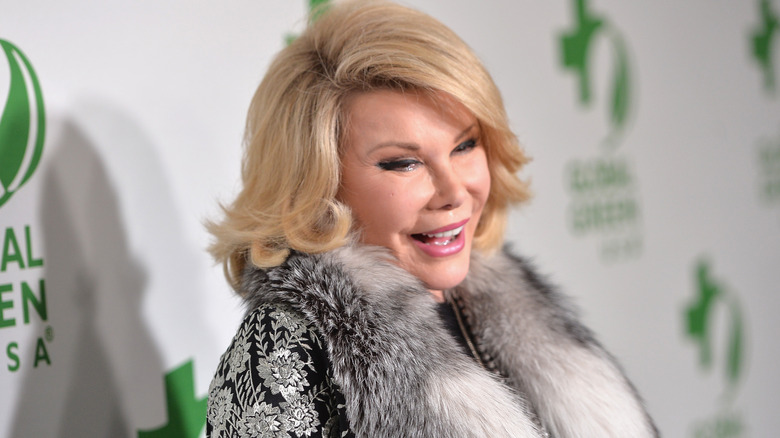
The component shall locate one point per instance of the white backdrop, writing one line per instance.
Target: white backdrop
(657, 197)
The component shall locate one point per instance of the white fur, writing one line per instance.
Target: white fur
(479, 406)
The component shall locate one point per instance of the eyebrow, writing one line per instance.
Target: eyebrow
(414, 146)
(466, 131)
(408, 146)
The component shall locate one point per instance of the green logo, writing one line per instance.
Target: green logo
(603, 189)
(186, 411)
(316, 8)
(716, 303)
(712, 295)
(22, 124)
(761, 42)
(576, 48)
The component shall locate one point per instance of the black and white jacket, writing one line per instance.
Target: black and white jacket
(347, 344)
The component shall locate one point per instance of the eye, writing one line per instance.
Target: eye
(403, 165)
(465, 146)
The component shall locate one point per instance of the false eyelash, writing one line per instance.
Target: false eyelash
(404, 165)
(466, 145)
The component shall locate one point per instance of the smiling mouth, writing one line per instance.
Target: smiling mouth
(439, 239)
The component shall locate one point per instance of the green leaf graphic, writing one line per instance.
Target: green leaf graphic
(15, 122)
(762, 39)
(620, 88)
(186, 412)
(734, 364)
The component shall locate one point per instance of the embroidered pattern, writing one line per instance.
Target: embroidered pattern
(274, 381)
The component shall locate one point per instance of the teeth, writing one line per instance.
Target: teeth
(449, 233)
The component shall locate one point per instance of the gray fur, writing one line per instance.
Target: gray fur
(402, 374)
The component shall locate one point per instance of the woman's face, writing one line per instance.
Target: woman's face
(416, 177)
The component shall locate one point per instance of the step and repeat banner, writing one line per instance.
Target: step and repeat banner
(654, 129)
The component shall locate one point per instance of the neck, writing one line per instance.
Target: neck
(438, 295)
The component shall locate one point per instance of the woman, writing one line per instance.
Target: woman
(378, 171)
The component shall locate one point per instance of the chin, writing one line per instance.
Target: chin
(444, 277)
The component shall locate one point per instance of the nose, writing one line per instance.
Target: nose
(449, 189)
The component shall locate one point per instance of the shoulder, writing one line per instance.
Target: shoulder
(274, 377)
(270, 330)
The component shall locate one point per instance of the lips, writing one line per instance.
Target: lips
(443, 241)
(439, 239)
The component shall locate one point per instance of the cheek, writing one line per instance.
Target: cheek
(485, 184)
(385, 207)
(397, 201)
(479, 179)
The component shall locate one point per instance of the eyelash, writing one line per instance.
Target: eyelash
(466, 146)
(404, 165)
(409, 164)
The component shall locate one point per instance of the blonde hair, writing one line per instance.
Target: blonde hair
(290, 169)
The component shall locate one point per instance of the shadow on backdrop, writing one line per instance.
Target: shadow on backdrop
(94, 288)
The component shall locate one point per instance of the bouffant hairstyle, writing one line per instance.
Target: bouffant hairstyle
(290, 169)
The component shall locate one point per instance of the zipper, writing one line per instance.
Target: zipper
(466, 334)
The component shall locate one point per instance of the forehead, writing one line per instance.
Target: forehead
(377, 114)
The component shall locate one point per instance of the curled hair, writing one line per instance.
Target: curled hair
(290, 169)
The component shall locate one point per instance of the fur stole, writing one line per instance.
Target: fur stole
(402, 374)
